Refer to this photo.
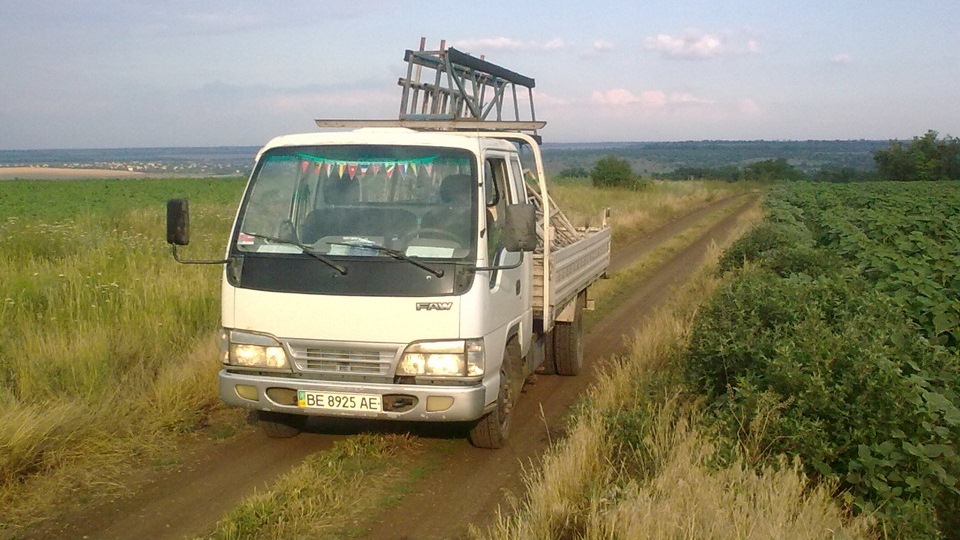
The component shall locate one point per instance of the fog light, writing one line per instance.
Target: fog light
(282, 396)
(247, 392)
(439, 403)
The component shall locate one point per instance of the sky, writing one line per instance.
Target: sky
(148, 73)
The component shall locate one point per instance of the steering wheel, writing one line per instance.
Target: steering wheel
(429, 232)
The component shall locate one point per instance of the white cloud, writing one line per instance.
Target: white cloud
(595, 49)
(694, 44)
(648, 99)
(602, 46)
(842, 58)
(508, 44)
(555, 43)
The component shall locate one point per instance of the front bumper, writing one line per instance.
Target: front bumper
(409, 402)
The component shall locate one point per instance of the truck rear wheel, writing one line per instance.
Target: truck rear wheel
(280, 425)
(568, 341)
(549, 365)
(492, 430)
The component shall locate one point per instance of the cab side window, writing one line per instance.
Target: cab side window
(495, 195)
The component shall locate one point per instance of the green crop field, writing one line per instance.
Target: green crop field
(836, 340)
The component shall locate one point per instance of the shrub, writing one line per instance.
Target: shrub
(611, 171)
(758, 243)
(781, 247)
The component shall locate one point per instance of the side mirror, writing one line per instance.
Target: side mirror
(520, 228)
(178, 222)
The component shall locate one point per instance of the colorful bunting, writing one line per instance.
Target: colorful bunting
(355, 169)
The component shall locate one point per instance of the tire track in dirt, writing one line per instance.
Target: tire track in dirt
(466, 488)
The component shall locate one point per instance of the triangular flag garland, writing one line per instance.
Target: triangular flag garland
(359, 169)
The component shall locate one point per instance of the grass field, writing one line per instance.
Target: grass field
(104, 340)
(107, 345)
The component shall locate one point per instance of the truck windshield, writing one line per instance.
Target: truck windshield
(416, 201)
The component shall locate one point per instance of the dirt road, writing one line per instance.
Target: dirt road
(465, 489)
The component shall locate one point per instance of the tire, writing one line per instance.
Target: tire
(492, 430)
(568, 342)
(549, 365)
(280, 425)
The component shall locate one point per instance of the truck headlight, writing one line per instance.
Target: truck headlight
(252, 350)
(460, 358)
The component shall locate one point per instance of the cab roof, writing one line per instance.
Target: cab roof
(473, 142)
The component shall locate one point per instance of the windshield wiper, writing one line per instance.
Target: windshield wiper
(393, 253)
(306, 249)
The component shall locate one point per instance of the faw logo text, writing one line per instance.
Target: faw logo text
(434, 306)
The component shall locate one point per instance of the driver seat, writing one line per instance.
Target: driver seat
(454, 216)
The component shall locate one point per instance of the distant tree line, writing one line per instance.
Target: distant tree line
(769, 170)
(927, 157)
(655, 157)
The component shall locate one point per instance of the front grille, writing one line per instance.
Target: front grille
(342, 361)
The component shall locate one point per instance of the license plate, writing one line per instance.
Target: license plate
(307, 399)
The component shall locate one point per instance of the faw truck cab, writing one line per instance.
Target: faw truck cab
(410, 270)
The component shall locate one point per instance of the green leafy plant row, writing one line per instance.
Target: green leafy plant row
(835, 339)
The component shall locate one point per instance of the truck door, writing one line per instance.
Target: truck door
(509, 288)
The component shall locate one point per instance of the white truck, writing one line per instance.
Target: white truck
(404, 270)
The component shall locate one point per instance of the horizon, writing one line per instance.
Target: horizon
(545, 144)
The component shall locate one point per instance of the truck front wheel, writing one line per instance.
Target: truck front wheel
(280, 425)
(492, 430)
(568, 341)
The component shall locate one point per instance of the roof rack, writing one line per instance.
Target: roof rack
(447, 89)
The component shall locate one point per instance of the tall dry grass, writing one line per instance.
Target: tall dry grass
(634, 212)
(105, 347)
(635, 463)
